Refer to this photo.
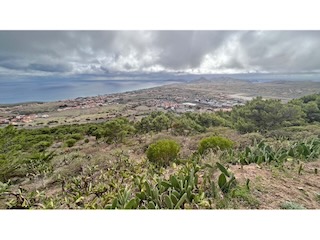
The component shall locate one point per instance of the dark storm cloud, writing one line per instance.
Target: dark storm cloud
(104, 52)
(279, 51)
(50, 67)
(12, 66)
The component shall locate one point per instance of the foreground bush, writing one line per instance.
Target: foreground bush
(10, 166)
(163, 151)
(70, 142)
(214, 143)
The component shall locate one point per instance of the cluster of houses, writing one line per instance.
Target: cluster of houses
(217, 103)
(89, 102)
(83, 103)
(213, 104)
(15, 120)
(179, 103)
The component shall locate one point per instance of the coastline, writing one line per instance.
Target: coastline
(83, 90)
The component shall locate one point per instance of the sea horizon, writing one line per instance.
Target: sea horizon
(50, 90)
(59, 89)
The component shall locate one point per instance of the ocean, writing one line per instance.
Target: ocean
(53, 90)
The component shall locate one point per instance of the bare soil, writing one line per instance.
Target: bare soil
(272, 186)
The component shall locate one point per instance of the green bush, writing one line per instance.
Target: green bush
(116, 130)
(43, 145)
(214, 143)
(186, 126)
(163, 151)
(10, 166)
(70, 142)
(263, 115)
(76, 136)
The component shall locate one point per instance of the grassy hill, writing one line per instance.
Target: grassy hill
(263, 155)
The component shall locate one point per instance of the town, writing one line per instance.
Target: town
(134, 104)
(198, 96)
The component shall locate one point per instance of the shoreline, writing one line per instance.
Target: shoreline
(14, 104)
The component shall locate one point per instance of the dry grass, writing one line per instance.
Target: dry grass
(272, 187)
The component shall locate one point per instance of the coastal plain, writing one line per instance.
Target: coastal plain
(92, 152)
(200, 96)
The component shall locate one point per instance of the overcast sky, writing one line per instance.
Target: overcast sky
(102, 53)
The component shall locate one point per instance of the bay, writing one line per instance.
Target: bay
(52, 90)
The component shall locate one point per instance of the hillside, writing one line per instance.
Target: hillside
(263, 154)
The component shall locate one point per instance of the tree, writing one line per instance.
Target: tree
(312, 111)
(186, 126)
(116, 130)
(310, 105)
(161, 122)
(156, 122)
(260, 114)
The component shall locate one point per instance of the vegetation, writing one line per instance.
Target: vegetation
(164, 160)
(261, 115)
(291, 205)
(70, 142)
(214, 143)
(163, 151)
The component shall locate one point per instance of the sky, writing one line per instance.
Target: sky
(103, 54)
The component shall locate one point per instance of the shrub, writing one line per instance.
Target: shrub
(163, 151)
(291, 205)
(155, 121)
(186, 126)
(39, 163)
(214, 143)
(210, 119)
(254, 137)
(4, 187)
(76, 136)
(86, 140)
(41, 146)
(10, 166)
(70, 142)
(243, 196)
(115, 131)
(262, 115)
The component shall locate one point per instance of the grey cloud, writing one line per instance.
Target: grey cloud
(103, 52)
(128, 66)
(280, 50)
(12, 66)
(58, 68)
(186, 49)
(104, 69)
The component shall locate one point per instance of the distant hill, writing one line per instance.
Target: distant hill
(220, 79)
(200, 80)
